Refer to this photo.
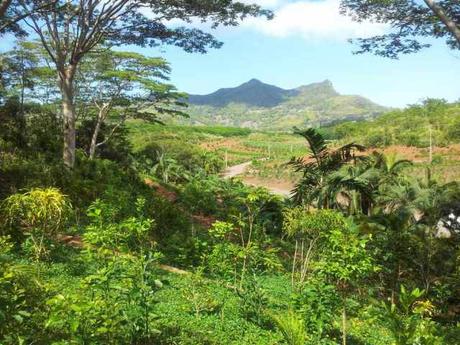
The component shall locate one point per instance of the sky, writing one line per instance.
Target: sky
(307, 42)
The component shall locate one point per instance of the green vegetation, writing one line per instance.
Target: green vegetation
(151, 246)
(116, 229)
(412, 126)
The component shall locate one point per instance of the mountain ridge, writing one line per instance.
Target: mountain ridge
(224, 96)
(259, 105)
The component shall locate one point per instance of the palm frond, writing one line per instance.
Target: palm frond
(315, 140)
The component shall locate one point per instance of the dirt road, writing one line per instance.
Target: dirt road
(282, 188)
(235, 170)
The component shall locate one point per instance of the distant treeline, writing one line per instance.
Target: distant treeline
(410, 126)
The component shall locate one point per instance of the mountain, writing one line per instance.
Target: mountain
(257, 105)
(252, 93)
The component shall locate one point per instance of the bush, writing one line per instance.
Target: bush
(133, 233)
(38, 214)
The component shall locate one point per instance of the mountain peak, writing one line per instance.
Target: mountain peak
(323, 88)
(254, 81)
(253, 93)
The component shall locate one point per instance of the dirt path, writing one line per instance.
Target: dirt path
(277, 187)
(235, 170)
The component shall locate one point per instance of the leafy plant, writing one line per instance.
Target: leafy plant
(113, 304)
(313, 187)
(105, 232)
(292, 327)
(38, 214)
(409, 319)
(254, 302)
(198, 295)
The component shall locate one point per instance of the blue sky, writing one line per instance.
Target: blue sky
(307, 42)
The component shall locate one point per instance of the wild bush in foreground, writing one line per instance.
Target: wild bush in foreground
(38, 214)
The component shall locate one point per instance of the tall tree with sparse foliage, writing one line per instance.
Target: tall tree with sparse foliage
(73, 28)
(122, 85)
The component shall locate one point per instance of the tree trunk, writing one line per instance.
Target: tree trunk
(451, 25)
(4, 4)
(92, 147)
(66, 80)
(103, 110)
(294, 264)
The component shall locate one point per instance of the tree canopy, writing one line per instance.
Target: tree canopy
(411, 22)
(69, 30)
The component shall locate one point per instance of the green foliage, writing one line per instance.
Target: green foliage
(409, 319)
(407, 35)
(177, 163)
(104, 231)
(255, 302)
(410, 126)
(20, 293)
(316, 187)
(38, 214)
(202, 260)
(317, 302)
(292, 327)
(118, 148)
(344, 258)
(200, 296)
(225, 258)
(113, 304)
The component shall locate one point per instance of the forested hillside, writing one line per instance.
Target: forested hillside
(257, 105)
(413, 126)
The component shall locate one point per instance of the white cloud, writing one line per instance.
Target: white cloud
(312, 20)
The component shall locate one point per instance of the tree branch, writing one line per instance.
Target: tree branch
(451, 25)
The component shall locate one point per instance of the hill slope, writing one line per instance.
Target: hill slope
(257, 105)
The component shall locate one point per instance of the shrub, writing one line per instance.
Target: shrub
(38, 214)
(114, 304)
(292, 327)
(20, 293)
(132, 233)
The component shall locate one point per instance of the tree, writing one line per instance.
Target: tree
(410, 21)
(360, 184)
(72, 29)
(26, 73)
(11, 12)
(306, 228)
(344, 259)
(126, 85)
(322, 162)
(18, 70)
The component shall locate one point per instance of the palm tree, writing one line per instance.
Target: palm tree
(361, 183)
(388, 166)
(406, 223)
(315, 185)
